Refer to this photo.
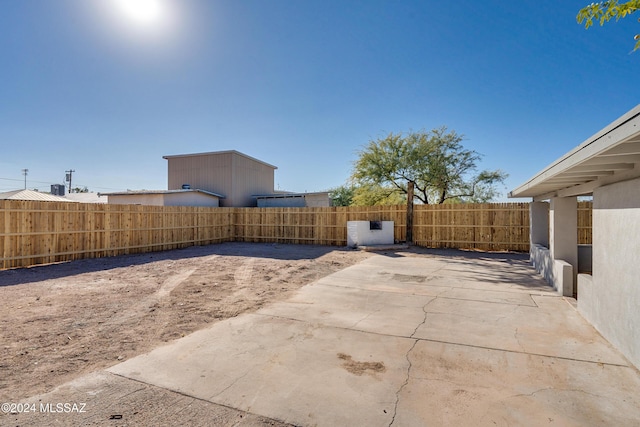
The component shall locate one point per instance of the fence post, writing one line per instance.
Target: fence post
(410, 213)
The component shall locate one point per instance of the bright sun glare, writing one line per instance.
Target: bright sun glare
(141, 12)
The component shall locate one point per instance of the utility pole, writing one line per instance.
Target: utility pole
(25, 172)
(68, 177)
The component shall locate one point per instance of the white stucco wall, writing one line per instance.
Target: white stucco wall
(317, 200)
(190, 199)
(612, 304)
(137, 199)
(563, 242)
(360, 234)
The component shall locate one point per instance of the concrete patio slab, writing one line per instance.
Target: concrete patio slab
(551, 328)
(357, 309)
(287, 370)
(434, 275)
(457, 385)
(398, 283)
(404, 339)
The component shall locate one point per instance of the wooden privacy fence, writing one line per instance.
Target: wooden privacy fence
(585, 213)
(485, 226)
(44, 232)
(321, 226)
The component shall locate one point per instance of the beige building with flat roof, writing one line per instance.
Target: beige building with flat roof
(186, 197)
(230, 173)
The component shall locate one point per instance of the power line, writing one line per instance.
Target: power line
(51, 182)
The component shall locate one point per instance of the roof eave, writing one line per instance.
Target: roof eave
(625, 128)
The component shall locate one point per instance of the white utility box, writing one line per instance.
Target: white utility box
(368, 233)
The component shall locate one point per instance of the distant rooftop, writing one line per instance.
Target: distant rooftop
(284, 195)
(219, 153)
(31, 195)
(142, 192)
(86, 197)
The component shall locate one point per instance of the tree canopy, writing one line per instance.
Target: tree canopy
(607, 10)
(367, 195)
(441, 169)
(342, 196)
(376, 195)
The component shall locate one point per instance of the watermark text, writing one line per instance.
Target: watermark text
(53, 408)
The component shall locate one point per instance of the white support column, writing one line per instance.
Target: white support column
(539, 220)
(563, 242)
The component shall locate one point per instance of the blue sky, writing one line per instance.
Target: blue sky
(299, 84)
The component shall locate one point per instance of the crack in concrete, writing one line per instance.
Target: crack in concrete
(488, 302)
(229, 386)
(535, 304)
(530, 394)
(424, 320)
(406, 381)
(515, 335)
(365, 318)
(572, 390)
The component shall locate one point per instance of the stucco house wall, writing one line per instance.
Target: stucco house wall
(191, 199)
(230, 173)
(281, 202)
(318, 200)
(610, 298)
(136, 199)
(182, 198)
(294, 200)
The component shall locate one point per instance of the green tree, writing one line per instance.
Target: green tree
(342, 195)
(440, 168)
(605, 11)
(368, 195)
(375, 195)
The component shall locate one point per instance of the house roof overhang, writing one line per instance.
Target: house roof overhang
(611, 155)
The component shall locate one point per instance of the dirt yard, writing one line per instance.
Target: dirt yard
(61, 321)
